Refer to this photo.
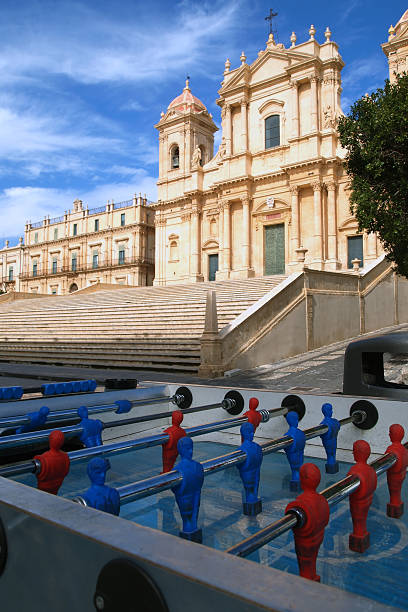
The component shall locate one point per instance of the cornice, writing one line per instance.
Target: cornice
(270, 176)
(393, 45)
(89, 235)
(234, 181)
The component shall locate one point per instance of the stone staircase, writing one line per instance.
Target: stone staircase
(143, 327)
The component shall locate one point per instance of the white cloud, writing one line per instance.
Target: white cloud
(132, 105)
(26, 133)
(367, 72)
(97, 49)
(19, 204)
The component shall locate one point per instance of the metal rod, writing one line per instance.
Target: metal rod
(162, 415)
(265, 535)
(140, 489)
(59, 415)
(334, 494)
(18, 440)
(73, 430)
(135, 444)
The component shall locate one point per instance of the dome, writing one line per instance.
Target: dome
(186, 101)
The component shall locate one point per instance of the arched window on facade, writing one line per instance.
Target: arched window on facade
(175, 157)
(173, 255)
(73, 287)
(272, 131)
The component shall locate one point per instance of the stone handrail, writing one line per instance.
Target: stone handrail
(309, 309)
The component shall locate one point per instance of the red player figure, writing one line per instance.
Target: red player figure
(175, 432)
(396, 473)
(54, 464)
(252, 414)
(360, 500)
(309, 537)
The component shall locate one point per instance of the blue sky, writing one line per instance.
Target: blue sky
(83, 83)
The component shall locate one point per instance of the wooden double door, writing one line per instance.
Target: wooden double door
(274, 249)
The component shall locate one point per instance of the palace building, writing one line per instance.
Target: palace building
(111, 244)
(272, 199)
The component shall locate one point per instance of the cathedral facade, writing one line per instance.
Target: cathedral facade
(274, 197)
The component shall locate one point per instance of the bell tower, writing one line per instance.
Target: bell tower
(186, 143)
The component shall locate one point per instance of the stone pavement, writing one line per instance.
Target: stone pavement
(320, 370)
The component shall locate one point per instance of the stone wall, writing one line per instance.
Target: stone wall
(308, 310)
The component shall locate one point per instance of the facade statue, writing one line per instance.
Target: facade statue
(196, 160)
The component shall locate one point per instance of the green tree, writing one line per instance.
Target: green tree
(375, 135)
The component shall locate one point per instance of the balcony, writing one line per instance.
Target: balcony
(84, 266)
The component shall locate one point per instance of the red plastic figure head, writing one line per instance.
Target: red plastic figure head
(56, 439)
(253, 403)
(396, 433)
(361, 451)
(309, 477)
(176, 417)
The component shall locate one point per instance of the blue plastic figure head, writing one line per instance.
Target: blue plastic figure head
(292, 418)
(327, 410)
(185, 448)
(247, 431)
(97, 468)
(83, 412)
(44, 411)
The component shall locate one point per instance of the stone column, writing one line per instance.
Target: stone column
(228, 130)
(295, 109)
(160, 250)
(295, 228)
(244, 125)
(220, 238)
(317, 213)
(162, 156)
(137, 243)
(109, 257)
(331, 223)
(195, 243)
(227, 239)
(314, 103)
(246, 234)
(187, 150)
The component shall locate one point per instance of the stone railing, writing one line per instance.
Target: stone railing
(308, 310)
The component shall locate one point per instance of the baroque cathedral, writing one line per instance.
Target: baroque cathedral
(272, 199)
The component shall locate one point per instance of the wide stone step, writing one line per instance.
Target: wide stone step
(112, 361)
(125, 308)
(156, 328)
(185, 352)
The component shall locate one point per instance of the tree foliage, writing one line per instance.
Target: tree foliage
(375, 135)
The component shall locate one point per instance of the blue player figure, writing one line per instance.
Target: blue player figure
(329, 439)
(99, 495)
(295, 451)
(188, 492)
(250, 470)
(92, 429)
(37, 419)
